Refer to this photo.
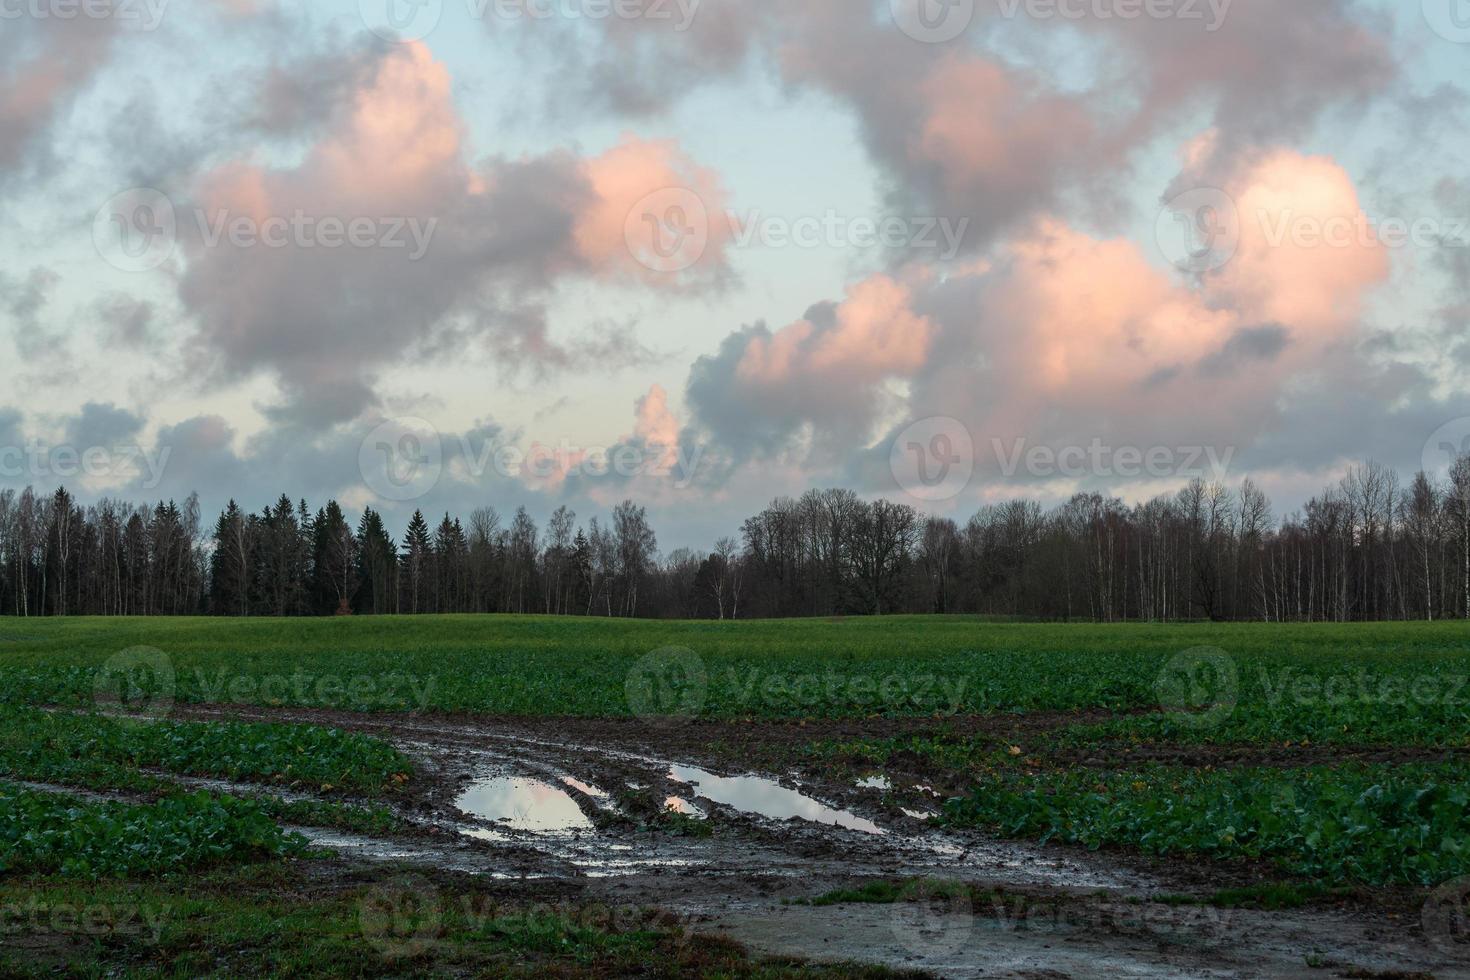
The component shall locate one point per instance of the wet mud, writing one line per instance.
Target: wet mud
(731, 829)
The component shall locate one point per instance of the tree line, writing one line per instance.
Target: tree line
(1369, 548)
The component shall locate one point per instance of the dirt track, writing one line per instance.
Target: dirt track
(585, 817)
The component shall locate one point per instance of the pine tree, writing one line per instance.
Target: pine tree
(377, 566)
(229, 566)
(334, 561)
(418, 553)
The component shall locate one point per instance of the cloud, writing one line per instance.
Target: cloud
(45, 63)
(454, 254)
(1248, 346)
(1062, 337)
(105, 426)
(1307, 249)
(1266, 72)
(825, 371)
(967, 128)
(656, 423)
(127, 322)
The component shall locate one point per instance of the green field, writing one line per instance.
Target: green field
(1357, 683)
(1328, 754)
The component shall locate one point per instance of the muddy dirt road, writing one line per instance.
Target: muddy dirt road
(686, 819)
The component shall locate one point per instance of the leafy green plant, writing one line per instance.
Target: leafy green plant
(91, 751)
(49, 833)
(1369, 824)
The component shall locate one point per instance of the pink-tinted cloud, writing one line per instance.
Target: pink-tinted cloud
(870, 336)
(823, 379)
(1065, 335)
(964, 128)
(45, 63)
(459, 254)
(641, 181)
(1308, 252)
(986, 132)
(656, 423)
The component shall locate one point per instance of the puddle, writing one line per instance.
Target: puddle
(679, 805)
(524, 804)
(586, 789)
(768, 798)
(919, 814)
(875, 782)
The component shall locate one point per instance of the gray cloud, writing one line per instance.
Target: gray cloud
(126, 322)
(45, 63)
(1246, 347)
(960, 129)
(101, 425)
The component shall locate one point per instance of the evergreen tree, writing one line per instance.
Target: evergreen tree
(377, 566)
(229, 565)
(334, 561)
(418, 553)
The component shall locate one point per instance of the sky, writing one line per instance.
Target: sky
(444, 254)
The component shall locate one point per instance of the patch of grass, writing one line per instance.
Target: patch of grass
(871, 893)
(671, 821)
(1349, 824)
(337, 816)
(886, 892)
(97, 752)
(51, 833)
(1273, 896)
